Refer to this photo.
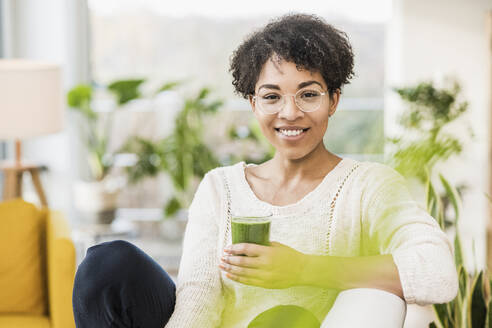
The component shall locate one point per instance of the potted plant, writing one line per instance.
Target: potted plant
(427, 136)
(472, 307)
(96, 196)
(426, 142)
(183, 156)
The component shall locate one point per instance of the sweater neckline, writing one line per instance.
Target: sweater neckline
(301, 203)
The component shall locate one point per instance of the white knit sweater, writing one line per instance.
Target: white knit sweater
(373, 213)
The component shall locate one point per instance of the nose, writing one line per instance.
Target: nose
(290, 111)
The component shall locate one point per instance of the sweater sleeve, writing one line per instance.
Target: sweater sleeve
(199, 300)
(398, 225)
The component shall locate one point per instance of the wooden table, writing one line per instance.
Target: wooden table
(13, 174)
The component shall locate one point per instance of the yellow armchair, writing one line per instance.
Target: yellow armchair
(37, 267)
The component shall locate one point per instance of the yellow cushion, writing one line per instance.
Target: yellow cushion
(11, 321)
(23, 264)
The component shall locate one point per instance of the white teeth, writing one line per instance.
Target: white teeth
(291, 133)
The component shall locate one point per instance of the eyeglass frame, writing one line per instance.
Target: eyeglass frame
(295, 102)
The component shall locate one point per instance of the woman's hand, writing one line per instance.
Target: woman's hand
(275, 266)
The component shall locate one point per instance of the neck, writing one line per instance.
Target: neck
(314, 165)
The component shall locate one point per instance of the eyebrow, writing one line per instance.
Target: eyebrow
(300, 86)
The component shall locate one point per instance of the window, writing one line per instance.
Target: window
(193, 42)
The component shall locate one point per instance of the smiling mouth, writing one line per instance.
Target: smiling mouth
(290, 132)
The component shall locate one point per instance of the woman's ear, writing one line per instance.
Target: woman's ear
(251, 102)
(334, 99)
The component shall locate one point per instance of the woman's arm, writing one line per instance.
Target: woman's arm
(405, 252)
(199, 300)
(377, 271)
(414, 257)
(394, 223)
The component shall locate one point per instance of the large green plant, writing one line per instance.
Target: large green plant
(183, 155)
(426, 141)
(472, 307)
(97, 128)
(426, 138)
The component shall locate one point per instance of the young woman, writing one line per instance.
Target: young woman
(337, 224)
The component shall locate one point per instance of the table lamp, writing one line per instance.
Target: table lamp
(31, 105)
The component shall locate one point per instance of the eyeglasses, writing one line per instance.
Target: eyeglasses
(308, 100)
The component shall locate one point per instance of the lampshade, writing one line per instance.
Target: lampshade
(31, 100)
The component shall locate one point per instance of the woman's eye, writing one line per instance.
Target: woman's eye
(271, 97)
(310, 94)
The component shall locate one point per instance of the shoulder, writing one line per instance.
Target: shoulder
(375, 171)
(374, 178)
(217, 177)
(381, 182)
(229, 170)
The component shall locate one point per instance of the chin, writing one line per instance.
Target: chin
(294, 154)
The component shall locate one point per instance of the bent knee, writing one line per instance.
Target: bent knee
(108, 260)
(112, 248)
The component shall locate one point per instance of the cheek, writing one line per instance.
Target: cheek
(265, 123)
(323, 126)
(319, 124)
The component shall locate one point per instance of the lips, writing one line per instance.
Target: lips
(291, 127)
(291, 130)
(291, 133)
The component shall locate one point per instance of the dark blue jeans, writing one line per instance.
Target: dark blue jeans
(118, 285)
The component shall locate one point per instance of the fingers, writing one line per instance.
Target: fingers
(242, 261)
(246, 249)
(246, 280)
(239, 271)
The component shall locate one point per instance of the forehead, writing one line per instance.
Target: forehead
(285, 74)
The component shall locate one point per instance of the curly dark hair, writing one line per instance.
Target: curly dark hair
(306, 40)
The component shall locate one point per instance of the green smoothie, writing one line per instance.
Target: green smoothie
(255, 230)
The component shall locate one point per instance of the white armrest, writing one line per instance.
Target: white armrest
(368, 308)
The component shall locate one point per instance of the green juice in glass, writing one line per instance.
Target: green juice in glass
(255, 230)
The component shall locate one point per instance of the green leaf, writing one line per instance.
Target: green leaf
(434, 203)
(458, 311)
(126, 90)
(425, 141)
(432, 325)
(478, 306)
(455, 311)
(79, 98)
(442, 315)
(203, 93)
(453, 195)
(172, 206)
(458, 253)
(450, 307)
(489, 313)
(79, 95)
(463, 281)
(169, 86)
(183, 155)
(150, 158)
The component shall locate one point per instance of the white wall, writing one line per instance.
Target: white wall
(430, 39)
(56, 31)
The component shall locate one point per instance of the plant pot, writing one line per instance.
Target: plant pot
(96, 201)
